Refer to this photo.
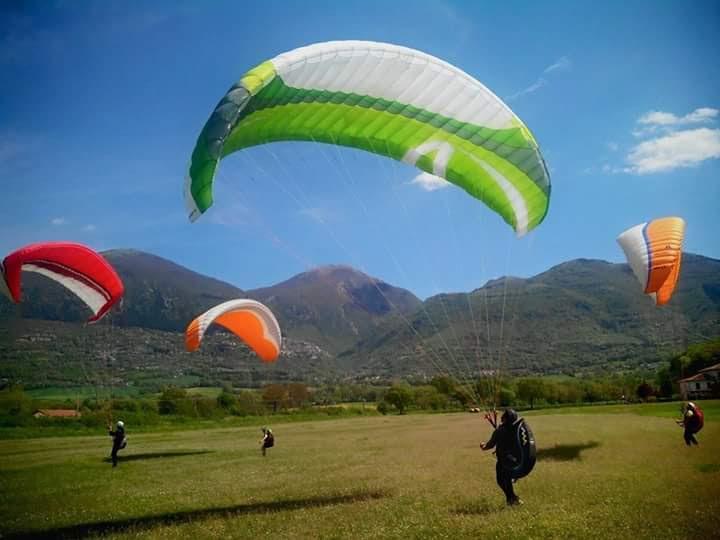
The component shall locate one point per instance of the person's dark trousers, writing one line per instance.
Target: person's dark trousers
(504, 480)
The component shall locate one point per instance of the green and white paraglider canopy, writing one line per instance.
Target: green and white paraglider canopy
(389, 100)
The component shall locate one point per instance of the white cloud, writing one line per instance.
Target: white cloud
(58, 221)
(534, 87)
(670, 141)
(318, 214)
(236, 215)
(429, 182)
(561, 64)
(89, 227)
(603, 168)
(457, 20)
(661, 118)
(681, 149)
(613, 146)
(643, 132)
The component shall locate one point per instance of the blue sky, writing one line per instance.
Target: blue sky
(101, 104)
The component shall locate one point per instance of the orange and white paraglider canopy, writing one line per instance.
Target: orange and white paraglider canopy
(251, 321)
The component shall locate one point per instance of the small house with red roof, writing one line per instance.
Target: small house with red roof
(701, 384)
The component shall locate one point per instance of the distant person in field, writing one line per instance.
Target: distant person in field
(268, 440)
(514, 459)
(119, 440)
(692, 420)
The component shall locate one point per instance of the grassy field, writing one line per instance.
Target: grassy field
(666, 410)
(205, 391)
(612, 473)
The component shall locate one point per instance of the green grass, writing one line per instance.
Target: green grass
(606, 474)
(68, 428)
(349, 405)
(205, 391)
(669, 409)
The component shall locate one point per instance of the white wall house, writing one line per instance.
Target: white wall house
(701, 384)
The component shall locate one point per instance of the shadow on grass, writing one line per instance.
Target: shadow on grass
(564, 452)
(159, 455)
(146, 523)
(709, 467)
(476, 508)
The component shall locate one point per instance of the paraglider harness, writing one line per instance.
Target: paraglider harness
(120, 440)
(520, 459)
(696, 422)
(268, 439)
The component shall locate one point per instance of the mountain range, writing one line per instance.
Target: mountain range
(339, 322)
(582, 314)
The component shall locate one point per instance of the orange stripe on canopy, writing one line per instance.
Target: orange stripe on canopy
(248, 319)
(665, 292)
(248, 327)
(664, 237)
(192, 335)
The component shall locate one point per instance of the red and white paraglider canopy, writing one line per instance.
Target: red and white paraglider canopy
(75, 266)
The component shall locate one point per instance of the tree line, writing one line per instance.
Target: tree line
(682, 366)
(441, 393)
